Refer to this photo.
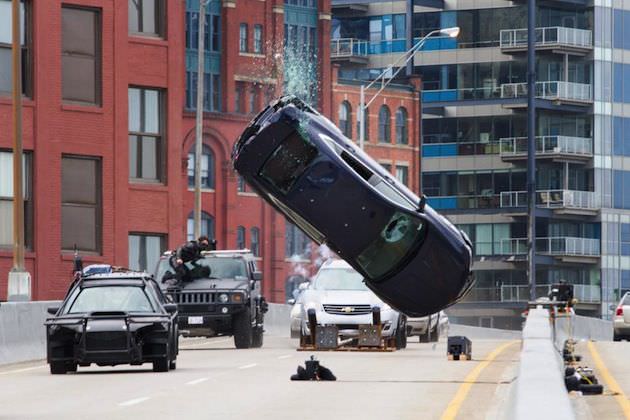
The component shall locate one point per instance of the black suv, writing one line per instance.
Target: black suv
(228, 301)
(111, 318)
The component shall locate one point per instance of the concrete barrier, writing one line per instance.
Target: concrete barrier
(22, 333)
(539, 391)
(582, 328)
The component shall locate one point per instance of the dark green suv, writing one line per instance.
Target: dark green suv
(227, 301)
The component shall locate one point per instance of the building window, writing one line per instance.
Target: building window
(211, 89)
(81, 223)
(207, 226)
(253, 100)
(296, 243)
(238, 98)
(6, 69)
(243, 38)
(402, 135)
(146, 17)
(80, 55)
(241, 186)
(145, 135)
(345, 119)
(402, 174)
(255, 241)
(387, 167)
(258, 39)
(145, 251)
(384, 125)
(240, 237)
(207, 167)
(6, 200)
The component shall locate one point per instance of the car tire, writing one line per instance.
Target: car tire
(435, 335)
(161, 364)
(401, 333)
(616, 337)
(243, 331)
(424, 338)
(58, 368)
(172, 365)
(257, 337)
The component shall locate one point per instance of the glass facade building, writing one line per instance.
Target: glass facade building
(474, 137)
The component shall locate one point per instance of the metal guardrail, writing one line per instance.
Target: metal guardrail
(585, 293)
(553, 199)
(348, 47)
(552, 90)
(548, 36)
(546, 145)
(567, 246)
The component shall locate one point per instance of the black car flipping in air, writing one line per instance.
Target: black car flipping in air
(110, 319)
(298, 161)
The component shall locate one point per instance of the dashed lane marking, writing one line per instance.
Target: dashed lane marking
(610, 380)
(251, 365)
(286, 356)
(134, 401)
(203, 343)
(456, 403)
(197, 381)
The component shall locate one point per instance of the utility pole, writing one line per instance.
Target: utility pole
(19, 279)
(531, 147)
(199, 116)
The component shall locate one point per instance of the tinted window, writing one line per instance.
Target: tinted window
(111, 299)
(288, 162)
(394, 243)
(339, 279)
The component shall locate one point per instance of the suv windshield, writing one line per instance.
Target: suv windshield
(339, 279)
(397, 238)
(220, 267)
(111, 299)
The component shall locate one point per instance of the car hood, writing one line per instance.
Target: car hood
(342, 297)
(218, 284)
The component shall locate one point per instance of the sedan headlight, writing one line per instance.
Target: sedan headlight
(385, 307)
(223, 298)
(312, 305)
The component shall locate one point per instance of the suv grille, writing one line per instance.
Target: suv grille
(192, 297)
(348, 309)
(106, 341)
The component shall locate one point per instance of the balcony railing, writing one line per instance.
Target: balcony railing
(554, 90)
(550, 36)
(348, 47)
(464, 94)
(548, 145)
(587, 293)
(553, 199)
(490, 201)
(460, 149)
(568, 246)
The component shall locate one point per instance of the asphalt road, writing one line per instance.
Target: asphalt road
(611, 363)
(214, 380)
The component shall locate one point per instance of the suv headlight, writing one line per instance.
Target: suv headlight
(223, 298)
(237, 298)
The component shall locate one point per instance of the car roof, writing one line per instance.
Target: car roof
(135, 282)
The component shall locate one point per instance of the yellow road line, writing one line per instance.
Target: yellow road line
(611, 383)
(456, 403)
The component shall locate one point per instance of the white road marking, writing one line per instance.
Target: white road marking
(251, 365)
(204, 343)
(197, 381)
(286, 356)
(8, 372)
(134, 401)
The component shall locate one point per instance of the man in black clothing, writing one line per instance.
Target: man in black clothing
(190, 252)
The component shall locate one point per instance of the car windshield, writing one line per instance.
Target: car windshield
(339, 279)
(626, 300)
(397, 238)
(220, 267)
(111, 299)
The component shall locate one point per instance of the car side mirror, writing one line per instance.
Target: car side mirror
(171, 308)
(52, 310)
(291, 301)
(422, 203)
(257, 276)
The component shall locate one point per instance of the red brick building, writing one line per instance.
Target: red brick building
(108, 121)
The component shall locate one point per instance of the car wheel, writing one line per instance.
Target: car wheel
(424, 338)
(58, 368)
(435, 334)
(616, 337)
(401, 333)
(161, 364)
(257, 337)
(172, 364)
(243, 331)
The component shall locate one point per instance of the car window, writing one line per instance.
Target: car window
(288, 162)
(396, 240)
(390, 192)
(111, 299)
(338, 279)
(220, 267)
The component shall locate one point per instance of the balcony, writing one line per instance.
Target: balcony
(557, 91)
(433, 150)
(584, 293)
(464, 202)
(556, 39)
(557, 148)
(560, 201)
(464, 94)
(565, 248)
(349, 50)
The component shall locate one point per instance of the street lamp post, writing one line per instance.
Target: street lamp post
(387, 76)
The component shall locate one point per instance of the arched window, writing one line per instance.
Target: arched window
(345, 119)
(207, 226)
(254, 238)
(384, 125)
(402, 132)
(207, 167)
(240, 237)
